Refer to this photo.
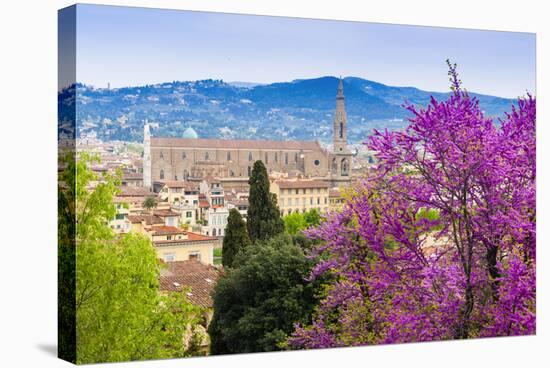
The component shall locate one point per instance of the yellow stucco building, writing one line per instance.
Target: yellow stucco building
(300, 195)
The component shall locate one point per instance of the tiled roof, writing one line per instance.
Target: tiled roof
(191, 237)
(196, 278)
(179, 184)
(165, 213)
(135, 192)
(199, 237)
(203, 203)
(299, 184)
(167, 230)
(148, 219)
(235, 144)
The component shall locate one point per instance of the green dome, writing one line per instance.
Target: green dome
(190, 133)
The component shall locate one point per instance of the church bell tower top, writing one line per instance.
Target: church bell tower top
(340, 93)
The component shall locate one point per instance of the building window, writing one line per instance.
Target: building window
(228, 156)
(206, 156)
(161, 155)
(161, 174)
(344, 167)
(213, 232)
(249, 156)
(310, 200)
(325, 200)
(195, 255)
(286, 158)
(266, 158)
(119, 216)
(183, 155)
(169, 257)
(249, 170)
(276, 157)
(316, 162)
(189, 214)
(341, 130)
(318, 200)
(297, 191)
(295, 157)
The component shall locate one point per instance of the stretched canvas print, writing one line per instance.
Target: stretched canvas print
(238, 183)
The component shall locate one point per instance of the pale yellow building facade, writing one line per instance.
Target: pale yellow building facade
(300, 195)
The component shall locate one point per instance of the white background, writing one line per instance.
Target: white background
(28, 108)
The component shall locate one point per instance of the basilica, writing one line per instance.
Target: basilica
(190, 157)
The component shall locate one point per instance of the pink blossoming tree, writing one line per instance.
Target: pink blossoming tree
(438, 241)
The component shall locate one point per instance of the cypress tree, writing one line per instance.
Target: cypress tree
(235, 239)
(264, 219)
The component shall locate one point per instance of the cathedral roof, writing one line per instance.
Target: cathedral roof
(190, 133)
(235, 144)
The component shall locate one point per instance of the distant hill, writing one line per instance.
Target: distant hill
(301, 109)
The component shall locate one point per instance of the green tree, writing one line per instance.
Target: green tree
(120, 314)
(312, 217)
(263, 219)
(235, 239)
(260, 299)
(297, 222)
(149, 203)
(294, 223)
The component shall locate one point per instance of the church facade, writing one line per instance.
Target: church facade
(184, 158)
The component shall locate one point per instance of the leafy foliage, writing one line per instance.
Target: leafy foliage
(261, 298)
(297, 222)
(263, 219)
(439, 241)
(236, 237)
(120, 314)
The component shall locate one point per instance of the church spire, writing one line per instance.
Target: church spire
(340, 120)
(340, 93)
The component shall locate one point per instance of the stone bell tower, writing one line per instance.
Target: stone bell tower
(340, 161)
(146, 156)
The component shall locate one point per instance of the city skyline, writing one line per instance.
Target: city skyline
(125, 46)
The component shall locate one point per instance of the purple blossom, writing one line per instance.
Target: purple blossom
(466, 271)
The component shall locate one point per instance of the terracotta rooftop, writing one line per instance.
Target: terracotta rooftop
(135, 192)
(197, 236)
(191, 237)
(299, 184)
(238, 202)
(203, 203)
(196, 278)
(235, 144)
(128, 199)
(165, 213)
(179, 184)
(167, 230)
(148, 219)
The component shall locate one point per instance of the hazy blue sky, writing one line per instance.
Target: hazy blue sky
(134, 46)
